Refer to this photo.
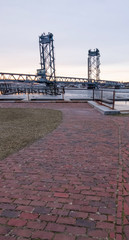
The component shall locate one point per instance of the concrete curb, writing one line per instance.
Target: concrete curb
(103, 109)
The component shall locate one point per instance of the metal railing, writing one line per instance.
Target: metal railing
(103, 96)
(108, 97)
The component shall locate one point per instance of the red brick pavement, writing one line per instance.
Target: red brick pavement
(71, 185)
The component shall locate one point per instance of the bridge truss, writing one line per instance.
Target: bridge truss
(14, 77)
(17, 77)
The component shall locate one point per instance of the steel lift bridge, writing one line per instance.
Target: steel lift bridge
(46, 74)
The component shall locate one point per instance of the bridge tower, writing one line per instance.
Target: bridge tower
(93, 65)
(47, 60)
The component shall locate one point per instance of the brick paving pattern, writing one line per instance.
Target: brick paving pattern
(71, 185)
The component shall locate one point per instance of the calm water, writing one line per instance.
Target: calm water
(122, 105)
(69, 94)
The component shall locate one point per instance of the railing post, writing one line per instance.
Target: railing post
(93, 94)
(113, 100)
(28, 94)
(63, 92)
(101, 95)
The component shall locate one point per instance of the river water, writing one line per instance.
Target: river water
(69, 94)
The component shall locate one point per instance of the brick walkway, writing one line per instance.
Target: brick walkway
(71, 185)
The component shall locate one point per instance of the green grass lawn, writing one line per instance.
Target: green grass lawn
(21, 127)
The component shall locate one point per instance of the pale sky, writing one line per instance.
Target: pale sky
(77, 26)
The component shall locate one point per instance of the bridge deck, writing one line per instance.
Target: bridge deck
(33, 77)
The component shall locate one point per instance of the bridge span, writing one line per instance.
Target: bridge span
(13, 77)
